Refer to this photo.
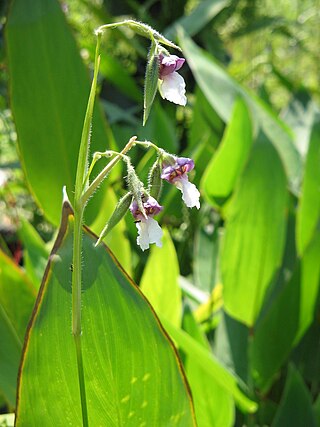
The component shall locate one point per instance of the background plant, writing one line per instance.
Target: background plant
(255, 118)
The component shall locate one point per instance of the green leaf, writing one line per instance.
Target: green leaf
(206, 257)
(49, 86)
(231, 345)
(35, 253)
(221, 91)
(151, 81)
(159, 281)
(255, 233)
(210, 365)
(295, 408)
(299, 115)
(223, 170)
(17, 296)
(214, 406)
(309, 286)
(123, 345)
(309, 204)
(275, 333)
(198, 18)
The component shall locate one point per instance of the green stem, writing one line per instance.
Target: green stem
(85, 137)
(84, 410)
(97, 181)
(76, 307)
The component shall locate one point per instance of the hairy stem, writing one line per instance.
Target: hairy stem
(76, 307)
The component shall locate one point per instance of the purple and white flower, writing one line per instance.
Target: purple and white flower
(176, 174)
(172, 86)
(149, 231)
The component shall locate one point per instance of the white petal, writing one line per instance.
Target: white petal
(149, 231)
(190, 193)
(173, 88)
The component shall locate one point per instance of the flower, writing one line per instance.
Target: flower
(177, 174)
(149, 231)
(172, 86)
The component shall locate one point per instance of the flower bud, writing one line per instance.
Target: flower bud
(136, 188)
(119, 212)
(154, 179)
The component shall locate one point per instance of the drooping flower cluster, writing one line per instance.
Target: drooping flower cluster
(175, 173)
(172, 86)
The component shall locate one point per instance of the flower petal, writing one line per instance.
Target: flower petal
(149, 231)
(190, 193)
(173, 88)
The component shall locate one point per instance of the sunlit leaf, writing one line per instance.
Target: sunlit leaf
(198, 18)
(214, 406)
(159, 282)
(255, 233)
(309, 286)
(228, 162)
(221, 90)
(123, 343)
(49, 87)
(309, 204)
(209, 363)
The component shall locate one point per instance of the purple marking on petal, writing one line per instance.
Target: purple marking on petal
(179, 170)
(186, 162)
(170, 64)
(151, 207)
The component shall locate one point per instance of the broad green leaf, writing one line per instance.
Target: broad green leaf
(151, 81)
(214, 406)
(299, 115)
(274, 335)
(223, 170)
(159, 281)
(308, 214)
(198, 18)
(316, 410)
(210, 364)
(206, 125)
(295, 408)
(49, 87)
(221, 91)
(123, 344)
(206, 257)
(255, 233)
(17, 296)
(35, 252)
(309, 285)
(231, 345)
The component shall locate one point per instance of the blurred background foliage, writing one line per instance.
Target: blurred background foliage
(267, 52)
